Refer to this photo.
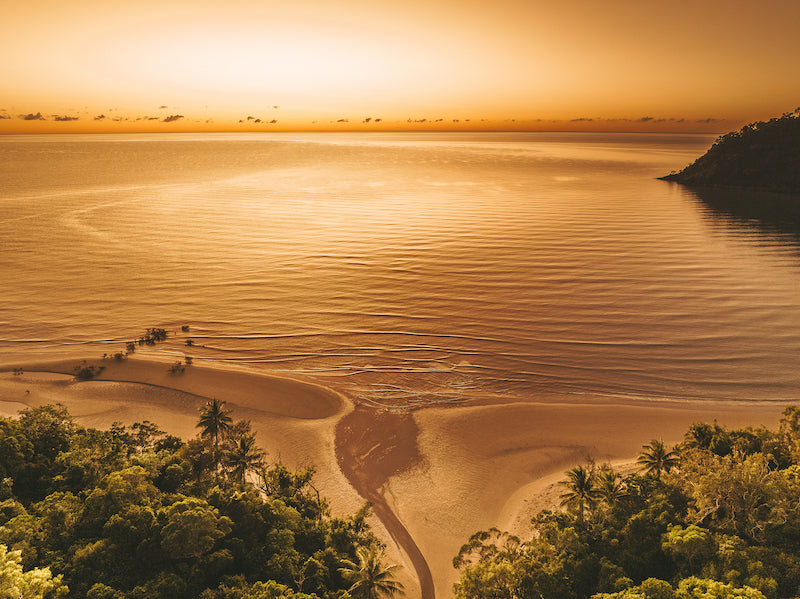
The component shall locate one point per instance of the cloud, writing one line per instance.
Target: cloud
(172, 118)
(343, 121)
(378, 120)
(581, 119)
(276, 107)
(709, 120)
(64, 118)
(32, 117)
(367, 120)
(273, 121)
(4, 116)
(99, 117)
(644, 119)
(161, 107)
(152, 118)
(250, 118)
(257, 121)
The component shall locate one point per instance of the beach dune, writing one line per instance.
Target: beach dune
(434, 475)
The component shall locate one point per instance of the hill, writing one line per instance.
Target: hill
(761, 155)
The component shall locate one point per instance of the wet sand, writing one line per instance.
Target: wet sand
(434, 475)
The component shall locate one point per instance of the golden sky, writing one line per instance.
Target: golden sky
(183, 65)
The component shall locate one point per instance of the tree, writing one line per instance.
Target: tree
(215, 421)
(33, 584)
(242, 455)
(192, 528)
(691, 543)
(580, 490)
(610, 487)
(655, 458)
(371, 580)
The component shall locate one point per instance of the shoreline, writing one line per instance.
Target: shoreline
(435, 475)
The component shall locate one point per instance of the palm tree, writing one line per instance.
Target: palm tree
(580, 490)
(214, 422)
(610, 487)
(370, 579)
(243, 456)
(655, 458)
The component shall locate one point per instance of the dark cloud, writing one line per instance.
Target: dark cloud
(343, 121)
(644, 119)
(4, 116)
(378, 120)
(257, 121)
(152, 118)
(709, 120)
(581, 119)
(162, 107)
(272, 122)
(32, 117)
(58, 117)
(250, 118)
(99, 117)
(172, 118)
(367, 120)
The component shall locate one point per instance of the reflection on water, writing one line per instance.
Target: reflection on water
(774, 213)
(404, 269)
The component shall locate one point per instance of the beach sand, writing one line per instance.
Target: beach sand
(434, 475)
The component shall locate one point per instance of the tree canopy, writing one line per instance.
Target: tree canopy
(717, 516)
(134, 513)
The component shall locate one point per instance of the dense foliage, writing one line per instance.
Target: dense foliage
(717, 516)
(134, 513)
(762, 155)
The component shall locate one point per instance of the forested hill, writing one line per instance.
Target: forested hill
(762, 155)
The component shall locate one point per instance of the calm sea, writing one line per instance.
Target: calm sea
(403, 269)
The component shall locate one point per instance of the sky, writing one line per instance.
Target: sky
(245, 65)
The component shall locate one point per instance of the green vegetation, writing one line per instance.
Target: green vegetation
(134, 513)
(717, 516)
(152, 336)
(86, 372)
(762, 155)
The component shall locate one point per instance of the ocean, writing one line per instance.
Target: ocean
(404, 269)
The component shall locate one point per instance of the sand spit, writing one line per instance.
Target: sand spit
(434, 476)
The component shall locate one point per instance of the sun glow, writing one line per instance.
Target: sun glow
(519, 64)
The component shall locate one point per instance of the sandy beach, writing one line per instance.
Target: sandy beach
(434, 475)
